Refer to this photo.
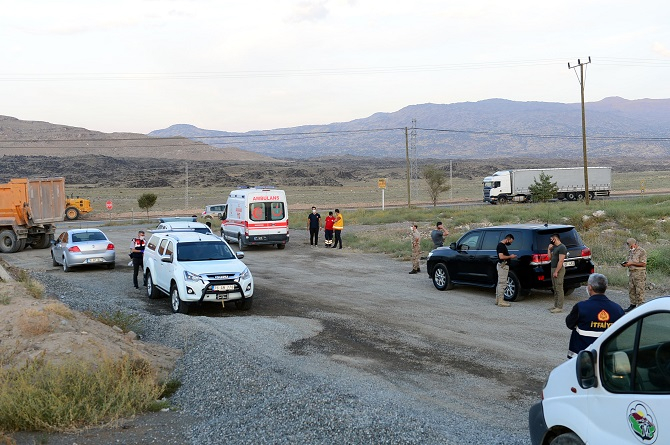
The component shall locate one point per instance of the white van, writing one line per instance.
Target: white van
(615, 392)
(256, 216)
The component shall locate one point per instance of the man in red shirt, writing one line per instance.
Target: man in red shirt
(328, 229)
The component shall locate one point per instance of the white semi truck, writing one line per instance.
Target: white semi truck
(512, 185)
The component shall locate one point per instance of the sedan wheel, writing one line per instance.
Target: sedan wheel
(178, 306)
(441, 279)
(66, 268)
(53, 260)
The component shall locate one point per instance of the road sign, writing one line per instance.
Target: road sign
(109, 205)
(381, 183)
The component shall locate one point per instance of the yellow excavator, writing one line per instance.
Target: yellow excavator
(75, 207)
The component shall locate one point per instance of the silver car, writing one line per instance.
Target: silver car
(83, 247)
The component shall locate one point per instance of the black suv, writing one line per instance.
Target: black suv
(472, 259)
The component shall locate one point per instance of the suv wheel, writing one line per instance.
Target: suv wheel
(513, 291)
(152, 291)
(244, 304)
(568, 291)
(178, 306)
(441, 278)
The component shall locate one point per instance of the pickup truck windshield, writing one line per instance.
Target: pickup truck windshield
(203, 251)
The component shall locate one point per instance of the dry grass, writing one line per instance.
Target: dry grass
(40, 396)
(59, 309)
(33, 322)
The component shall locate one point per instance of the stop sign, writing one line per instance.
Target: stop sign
(109, 205)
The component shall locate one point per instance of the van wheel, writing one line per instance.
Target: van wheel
(152, 291)
(567, 439)
(281, 246)
(178, 306)
(441, 279)
(244, 304)
(240, 242)
(513, 290)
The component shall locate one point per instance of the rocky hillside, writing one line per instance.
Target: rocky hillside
(493, 128)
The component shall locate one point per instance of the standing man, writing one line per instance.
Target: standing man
(557, 253)
(137, 254)
(637, 273)
(314, 226)
(338, 226)
(328, 229)
(589, 318)
(503, 269)
(438, 235)
(416, 248)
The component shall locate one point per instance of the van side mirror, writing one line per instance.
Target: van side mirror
(586, 369)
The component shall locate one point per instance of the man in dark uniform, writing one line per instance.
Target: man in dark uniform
(137, 254)
(314, 226)
(589, 318)
(503, 269)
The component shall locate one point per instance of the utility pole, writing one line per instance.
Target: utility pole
(186, 181)
(580, 78)
(409, 190)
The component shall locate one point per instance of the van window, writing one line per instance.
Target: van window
(266, 211)
(637, 359)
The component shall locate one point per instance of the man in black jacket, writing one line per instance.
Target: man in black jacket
(589, 318)
(137, 254)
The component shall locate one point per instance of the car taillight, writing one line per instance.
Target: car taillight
(110, 246)
(539, 258)
(586, 253)
(74, 249)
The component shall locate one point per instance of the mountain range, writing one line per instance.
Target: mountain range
(493, 128)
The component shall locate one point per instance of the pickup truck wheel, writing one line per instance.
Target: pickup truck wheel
(152, 291)
(8, 242)
(178, 306)
(441, 279)
(244, 304)
(567, 439)
(71, 213)
(513, 290)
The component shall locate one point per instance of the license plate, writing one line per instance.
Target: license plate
(569, 263)
(94, 260)
(223, 287)
(221, 296)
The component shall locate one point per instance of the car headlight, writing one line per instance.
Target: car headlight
(190, 276)
(246, 274)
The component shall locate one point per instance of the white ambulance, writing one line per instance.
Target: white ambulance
(256, 216)
(615, 392)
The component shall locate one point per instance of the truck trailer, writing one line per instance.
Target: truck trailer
(29, 208)
(512, 185)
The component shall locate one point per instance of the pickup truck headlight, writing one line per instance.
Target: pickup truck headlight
(190, 276)
(246, 274)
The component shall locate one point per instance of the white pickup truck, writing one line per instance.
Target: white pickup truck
(615, 392)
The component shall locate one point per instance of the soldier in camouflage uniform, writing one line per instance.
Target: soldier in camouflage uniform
(637, 273)
(416, 249)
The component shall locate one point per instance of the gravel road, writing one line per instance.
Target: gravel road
(340, 347)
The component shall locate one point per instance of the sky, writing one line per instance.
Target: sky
(143, 65)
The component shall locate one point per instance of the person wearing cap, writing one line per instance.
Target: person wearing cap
(637, 273)
(137, 254)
